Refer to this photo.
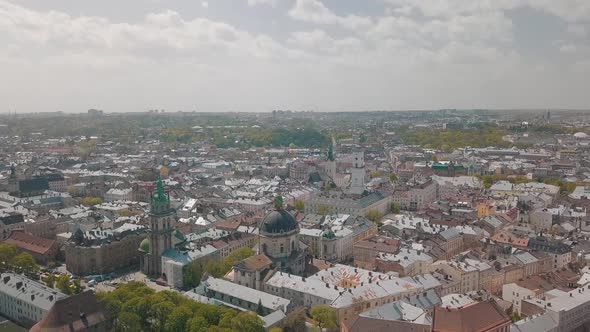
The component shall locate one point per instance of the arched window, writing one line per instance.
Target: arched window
(282, 248)
(292, 245)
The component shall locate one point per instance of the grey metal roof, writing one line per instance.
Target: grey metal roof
(29, 291)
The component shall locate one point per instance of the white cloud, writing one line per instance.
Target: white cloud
(570, 10)
(271, 3)
(314, 11)
(205, 4)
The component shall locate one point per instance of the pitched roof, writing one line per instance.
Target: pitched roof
(253, 263)
(30, 242)
(75, 313)
(482, 316)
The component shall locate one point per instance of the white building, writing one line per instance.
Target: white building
(530, 288)
(569, 310)
(118, 195)
(188, 209)
(25, 301)
(410, 262)
(347, 289)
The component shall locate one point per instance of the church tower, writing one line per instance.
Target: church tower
(357, 174)
(162, 219)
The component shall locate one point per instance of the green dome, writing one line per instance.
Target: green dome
(145, 245)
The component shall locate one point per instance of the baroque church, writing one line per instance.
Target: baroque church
(279, 240)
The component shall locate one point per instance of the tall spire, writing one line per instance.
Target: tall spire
(160, 200)
(160, 190)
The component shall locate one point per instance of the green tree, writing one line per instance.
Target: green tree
(373, 215)
(197, 324)
(64, 284)
(376, 174)
(295, 321)
(7, 253)
(299, 205)
(323, 209)
(247, 322)
(127, 322)
(162, 311)
(394, 208)
(259, 308)
(91, 201)
(191, 274)
(515, 317)
(49, 280)
(176, 321)
(24, 262)
(324, 317)
(392, 177)
(77, 287)
(159, 313)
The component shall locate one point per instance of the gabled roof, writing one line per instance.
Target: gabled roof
(30, 242)
(253, 263)
(482, 316)
(74, 313)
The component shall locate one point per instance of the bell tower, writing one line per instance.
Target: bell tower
(357, 174)
(162, 219)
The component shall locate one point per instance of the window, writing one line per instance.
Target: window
(282, 248)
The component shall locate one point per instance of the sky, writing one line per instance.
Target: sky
(322, 55)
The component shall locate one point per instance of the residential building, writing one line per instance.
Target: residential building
(484, 316)
(101, 251)
(25, 301)
(365, 252)
(43, 250)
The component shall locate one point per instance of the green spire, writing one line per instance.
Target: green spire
(160, 195)
(330, 153)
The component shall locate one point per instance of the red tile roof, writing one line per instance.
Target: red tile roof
(30, 242)
(478, 317)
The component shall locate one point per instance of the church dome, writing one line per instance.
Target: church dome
(277, 222)
(145, 245)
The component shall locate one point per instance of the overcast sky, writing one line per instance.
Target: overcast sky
(260, 55)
